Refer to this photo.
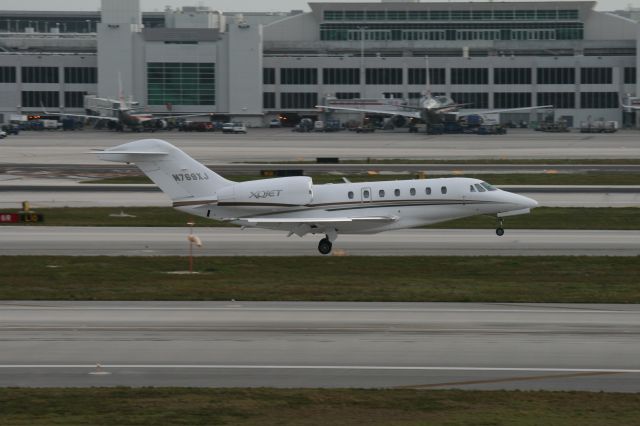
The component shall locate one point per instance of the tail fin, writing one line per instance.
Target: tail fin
(178, 175)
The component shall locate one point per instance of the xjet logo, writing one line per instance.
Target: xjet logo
(266, 194)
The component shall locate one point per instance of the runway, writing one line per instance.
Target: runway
(118, 196)
(130, 241)
(229, 344)
(283, 145)
(56, 193)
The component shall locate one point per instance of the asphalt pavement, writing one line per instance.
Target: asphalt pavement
(152, 241)
(416, 345)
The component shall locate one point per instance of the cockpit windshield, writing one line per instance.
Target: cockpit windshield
(488, 187)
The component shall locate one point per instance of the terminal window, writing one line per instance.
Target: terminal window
(419, 76)
(74, 99)
(298, 100)
(469, 76)
(341, 76)
(599, 100)
(596, 75)
(453, 31)
(630, 75)
(512, 100)
(7, 74)
(87, 75)
(557, 99)
(40, 75)
(33, 99)
(347, 95)
(473, 99)
(452, 15)
(556, 75)
(268, 76)
(298, 76)
(512, 76)
(268, 100)
(384, 75)
(181, 83)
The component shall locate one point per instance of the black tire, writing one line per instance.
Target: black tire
(500, 232)
(324, 246)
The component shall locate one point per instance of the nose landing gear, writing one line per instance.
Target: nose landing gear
(500, 229)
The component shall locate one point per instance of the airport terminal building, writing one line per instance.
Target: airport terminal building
(256, 66)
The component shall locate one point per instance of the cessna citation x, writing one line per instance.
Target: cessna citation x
(294, 204)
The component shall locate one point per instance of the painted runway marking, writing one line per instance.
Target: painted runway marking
(325, 367)
(285, 309)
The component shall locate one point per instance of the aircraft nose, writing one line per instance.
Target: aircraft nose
(528, 203)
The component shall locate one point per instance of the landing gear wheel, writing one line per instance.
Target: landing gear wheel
(325, 246)
(500, 229)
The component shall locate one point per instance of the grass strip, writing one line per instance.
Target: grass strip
(568, 218)
(383, 279)
(622, 178)
(345, 407)
(427, 161)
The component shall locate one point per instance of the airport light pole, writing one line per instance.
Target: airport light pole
(362, 69)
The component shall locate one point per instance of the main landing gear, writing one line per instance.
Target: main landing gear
(324, 246)
(500, 229)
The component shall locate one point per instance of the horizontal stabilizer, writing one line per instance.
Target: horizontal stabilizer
(196, 202)
(129, 156)
(129, 153)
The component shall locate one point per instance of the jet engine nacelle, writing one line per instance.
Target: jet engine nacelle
(286, 191)
(399, 121)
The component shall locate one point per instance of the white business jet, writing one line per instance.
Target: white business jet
(297, 206)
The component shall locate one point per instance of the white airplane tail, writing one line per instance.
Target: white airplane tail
(176, 174)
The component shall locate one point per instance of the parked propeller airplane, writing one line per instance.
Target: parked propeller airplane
(294, 204)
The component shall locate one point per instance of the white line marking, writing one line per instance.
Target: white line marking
(239, 309)
(323, 367)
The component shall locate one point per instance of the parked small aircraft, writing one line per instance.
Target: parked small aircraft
(297, 206)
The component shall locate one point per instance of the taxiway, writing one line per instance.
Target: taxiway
(228, 344)
(133, 241)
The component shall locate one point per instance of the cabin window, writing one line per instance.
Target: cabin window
(397, 192)
(480, 188)
(350, 195)
(489, 187)
(365, 193)
(427, 191)
(472, 188)
(443, 189)
(412, 191)
(381, 193)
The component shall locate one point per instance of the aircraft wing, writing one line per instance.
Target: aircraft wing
(497, 111)
(168, 117)
(315, 220)
(410, 114)
(99, 117)
(630, 106)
